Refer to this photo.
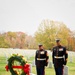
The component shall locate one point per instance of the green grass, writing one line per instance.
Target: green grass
(2, 66)
(49, 71)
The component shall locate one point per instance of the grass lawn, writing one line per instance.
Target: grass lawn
(49, 71)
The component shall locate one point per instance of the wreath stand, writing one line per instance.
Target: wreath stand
(17, 65)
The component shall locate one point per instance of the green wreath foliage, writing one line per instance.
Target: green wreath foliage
(18, 58)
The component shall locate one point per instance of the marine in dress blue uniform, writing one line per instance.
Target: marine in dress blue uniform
(41, 60)
(59, 56)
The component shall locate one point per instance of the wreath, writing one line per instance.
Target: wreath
(17, 65)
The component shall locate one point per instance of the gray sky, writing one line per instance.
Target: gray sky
(26, 15)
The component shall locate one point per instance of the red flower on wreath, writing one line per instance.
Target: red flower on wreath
(27, 68)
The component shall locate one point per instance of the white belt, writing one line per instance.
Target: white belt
(57, 57)
(41, 59)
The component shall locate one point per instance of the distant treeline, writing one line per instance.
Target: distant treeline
(46, 34)
(16, 40)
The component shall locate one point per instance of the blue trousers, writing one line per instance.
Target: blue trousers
(59, 70)
(40, 70)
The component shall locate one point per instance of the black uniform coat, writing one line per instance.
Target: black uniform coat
(59, 51)
(41, 54)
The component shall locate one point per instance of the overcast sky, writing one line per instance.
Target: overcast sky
(26, 15)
